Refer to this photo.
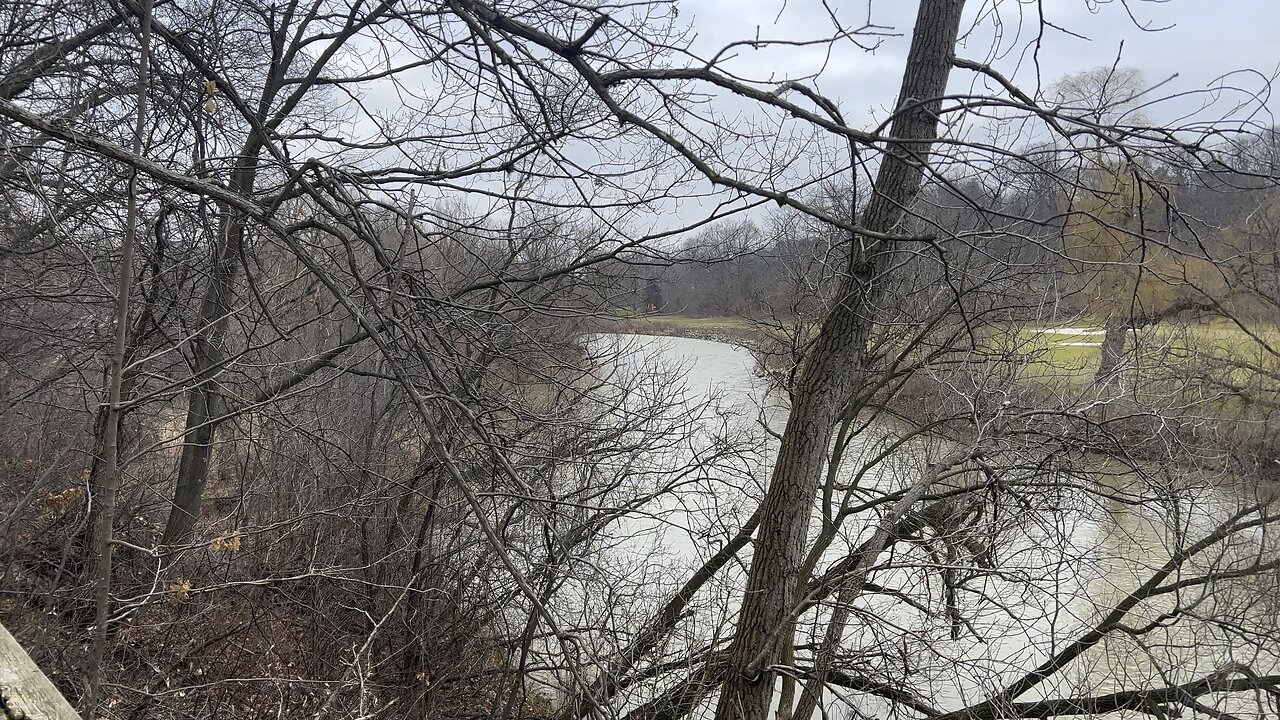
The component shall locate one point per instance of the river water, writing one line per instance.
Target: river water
(1063, 554)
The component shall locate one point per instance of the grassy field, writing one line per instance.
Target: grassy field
(1059, 351)
(1073, 353)
(1069, 352)
(1202, 385)
(1050, 353)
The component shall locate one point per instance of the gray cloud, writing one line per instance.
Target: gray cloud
(1205, 44)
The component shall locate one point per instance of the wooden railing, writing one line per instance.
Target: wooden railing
(25, 692)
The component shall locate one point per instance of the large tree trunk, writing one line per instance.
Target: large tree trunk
(204, 399)
(204, 406)
(1115, 343)
(833, 372)
(205, 409)
(1112, 351)
(855, 580)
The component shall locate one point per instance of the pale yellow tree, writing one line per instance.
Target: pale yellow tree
(1115, 238)
(1122, 264)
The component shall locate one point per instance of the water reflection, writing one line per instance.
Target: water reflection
(1056, 568)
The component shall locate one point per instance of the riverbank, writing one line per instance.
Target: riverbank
(730, 330)
(1189, 391)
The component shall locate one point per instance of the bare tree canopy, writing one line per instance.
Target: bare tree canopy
(332, 383)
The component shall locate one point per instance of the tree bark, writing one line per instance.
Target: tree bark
(105, 497)
(865, 557)
(833, 372)
(1112, 351)
(204, 400)
(205, 409)
(1115, 343)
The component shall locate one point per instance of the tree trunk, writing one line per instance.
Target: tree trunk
(864, 558)
(104, 500)
(98, 465)
(204, 405)
(832, 373)
(205, 409)
(204, 399)
(1112, 351)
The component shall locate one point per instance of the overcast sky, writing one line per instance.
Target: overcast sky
(1186, 48)
(1203, 41)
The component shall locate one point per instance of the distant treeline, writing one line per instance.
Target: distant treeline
(1066, 246)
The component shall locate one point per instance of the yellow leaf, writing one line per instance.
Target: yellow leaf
(179, 592)
(228, 543)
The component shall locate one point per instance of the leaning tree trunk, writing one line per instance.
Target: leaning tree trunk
(205, 406)
(834, 370)
(204, 398)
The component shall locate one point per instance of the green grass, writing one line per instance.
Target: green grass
(1054, 356)
(1045, 354)
(1049, 355)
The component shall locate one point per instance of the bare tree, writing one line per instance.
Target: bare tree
(361, 455)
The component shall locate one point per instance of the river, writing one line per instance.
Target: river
(1060, 558)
